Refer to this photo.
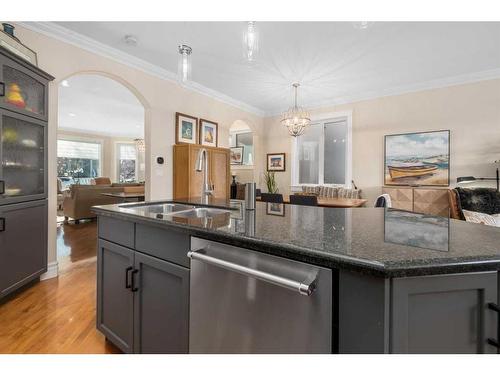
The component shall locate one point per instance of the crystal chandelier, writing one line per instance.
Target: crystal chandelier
(140, 144)
(296, 119)
(185, 62)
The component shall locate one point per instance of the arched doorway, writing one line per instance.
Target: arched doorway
(245, 138)
(101, 150)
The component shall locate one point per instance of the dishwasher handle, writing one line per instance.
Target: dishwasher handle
(305, 288)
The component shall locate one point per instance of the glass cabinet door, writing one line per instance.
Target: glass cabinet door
(23, 157)
(21, 91)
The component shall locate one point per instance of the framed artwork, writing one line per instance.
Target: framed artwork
(208, 133)
(417, 159)
(276, 209)
(186, 128)
(276, 162)
(236, 155)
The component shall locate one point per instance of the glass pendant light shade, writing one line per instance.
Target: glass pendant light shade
(296, 118)
(140, 144)
(185, 62)
(251, 41)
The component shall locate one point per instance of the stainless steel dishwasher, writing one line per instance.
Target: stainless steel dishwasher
(242, 301)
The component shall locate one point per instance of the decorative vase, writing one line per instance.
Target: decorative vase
(14, 96)
(234, 188)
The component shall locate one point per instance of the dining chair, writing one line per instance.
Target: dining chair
(271, 198)
(304, 200)
(383, 200)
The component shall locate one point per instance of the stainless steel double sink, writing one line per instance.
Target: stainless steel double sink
(173, 210)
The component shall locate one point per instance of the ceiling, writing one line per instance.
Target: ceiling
(335, 62)
(96, 104)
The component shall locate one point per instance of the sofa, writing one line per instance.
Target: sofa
(77, 205)
(484, 200)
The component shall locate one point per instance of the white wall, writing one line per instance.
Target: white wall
(470, 111)
(160, 98)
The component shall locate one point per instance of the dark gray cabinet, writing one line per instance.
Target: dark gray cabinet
(24, 87)
(115, 300)
(23, 244)
(142, 301)
(161, 306)
(23, 171)
(444, 313)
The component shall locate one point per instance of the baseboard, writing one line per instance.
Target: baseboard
(52, 271)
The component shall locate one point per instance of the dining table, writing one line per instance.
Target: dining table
(333, 202)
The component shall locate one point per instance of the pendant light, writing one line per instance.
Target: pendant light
(250, 41)
(185, 62)
(296, 119)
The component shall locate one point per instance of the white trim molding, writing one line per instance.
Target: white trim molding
(52, 271)
(66, 35)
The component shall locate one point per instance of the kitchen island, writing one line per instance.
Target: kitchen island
(393, 281)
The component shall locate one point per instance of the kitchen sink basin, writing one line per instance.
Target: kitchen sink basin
(160, 208)
(201, 212)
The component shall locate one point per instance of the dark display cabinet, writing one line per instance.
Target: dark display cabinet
(23, 172)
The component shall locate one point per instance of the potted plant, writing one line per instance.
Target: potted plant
(270, 179)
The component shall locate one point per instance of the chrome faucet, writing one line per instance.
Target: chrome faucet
(206, 189)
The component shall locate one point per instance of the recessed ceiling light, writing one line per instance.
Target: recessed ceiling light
(65, 83)
(71, 114)
(130, 40)
(362, 25)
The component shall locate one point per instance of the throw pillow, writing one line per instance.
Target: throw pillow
(481, 218)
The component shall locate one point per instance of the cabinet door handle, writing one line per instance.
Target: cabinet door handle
(2, 187)
(128, 285)
(494, 342)
(134, 288)
(2, 89)
(2, 224)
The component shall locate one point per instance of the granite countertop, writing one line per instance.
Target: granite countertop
(376, 241)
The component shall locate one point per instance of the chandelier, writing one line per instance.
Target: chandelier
(140, 144)
(296, 119)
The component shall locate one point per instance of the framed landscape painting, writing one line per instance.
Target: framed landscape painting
(417, 159)
(208, 133)
(186, 128)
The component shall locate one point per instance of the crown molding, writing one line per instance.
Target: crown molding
(400, 90)
(63, 34)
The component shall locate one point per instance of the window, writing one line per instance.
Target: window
(244, 139)
(126, 163)
(322, 154)
(78, 159)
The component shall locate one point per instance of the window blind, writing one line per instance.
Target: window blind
(77, 149)
(127, 152)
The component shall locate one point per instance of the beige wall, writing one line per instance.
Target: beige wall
(108, 149)
(161, 99)
(470, 111)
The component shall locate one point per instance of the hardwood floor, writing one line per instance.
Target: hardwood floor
(58, 315)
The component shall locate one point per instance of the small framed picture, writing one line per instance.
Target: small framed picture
(276, 209)
(208, 133)
(237, 155)
(186, 128)
(276, 162)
